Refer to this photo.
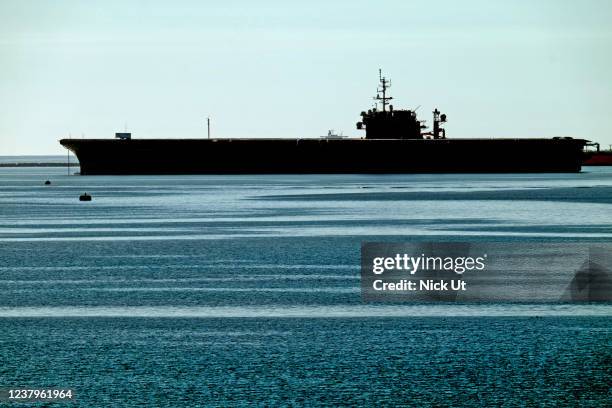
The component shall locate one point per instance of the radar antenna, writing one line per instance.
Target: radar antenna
(382, 89)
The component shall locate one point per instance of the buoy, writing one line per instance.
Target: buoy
(47, 183)
(84, 197)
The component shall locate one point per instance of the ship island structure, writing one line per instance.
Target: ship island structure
(395, 141)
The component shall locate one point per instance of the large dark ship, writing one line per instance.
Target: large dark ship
(395, 142)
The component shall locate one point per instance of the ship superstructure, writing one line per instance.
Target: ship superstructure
(390, 123)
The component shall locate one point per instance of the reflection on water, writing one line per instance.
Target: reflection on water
(233, 207)
(443, 310)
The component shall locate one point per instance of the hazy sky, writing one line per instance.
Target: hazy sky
(505, 68)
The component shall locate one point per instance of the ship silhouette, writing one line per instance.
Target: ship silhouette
(395, 141)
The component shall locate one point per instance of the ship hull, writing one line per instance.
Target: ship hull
(598, 159)
(253, 156)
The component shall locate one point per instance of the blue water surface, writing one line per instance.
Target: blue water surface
(244, 290)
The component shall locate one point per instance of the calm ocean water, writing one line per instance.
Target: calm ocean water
(238, 290)
(38, 159)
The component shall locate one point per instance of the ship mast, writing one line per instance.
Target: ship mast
(384, 84)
